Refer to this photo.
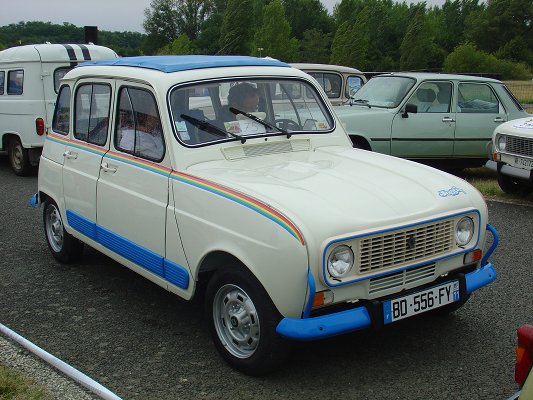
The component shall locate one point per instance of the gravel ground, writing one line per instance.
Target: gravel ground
(58, 386)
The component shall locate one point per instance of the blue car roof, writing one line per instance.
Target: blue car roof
(184, 63)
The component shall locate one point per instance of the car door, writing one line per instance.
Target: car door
(428, 133)
(83, 154)
(479, 111)
(132, 196)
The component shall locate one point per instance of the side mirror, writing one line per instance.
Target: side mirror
(409, 108)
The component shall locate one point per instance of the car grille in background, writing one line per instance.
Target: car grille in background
(406, 246)
(519, 146)
(402, 278)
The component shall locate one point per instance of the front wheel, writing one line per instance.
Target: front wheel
(512, 185)
(64, 247)
(242, 320)
(18, 157)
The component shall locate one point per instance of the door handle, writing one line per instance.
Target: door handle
(448, 119)
(106, 168)
(70, 154)
(499, 119)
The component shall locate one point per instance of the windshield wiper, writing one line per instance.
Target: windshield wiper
(363, 101)
(260, 121)
(210, 128)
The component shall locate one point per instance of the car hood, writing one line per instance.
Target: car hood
(346, 110)
(336, 190)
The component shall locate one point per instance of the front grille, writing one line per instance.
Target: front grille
(519, 146)
(401, 278)
(406, 246)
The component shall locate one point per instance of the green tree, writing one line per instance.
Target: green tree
(341, 46)
(315, 46)
(237, 28)
(304, 15)
(161, 22)
(181, 45)
(274, 35)
(192, 14)
(417, 45)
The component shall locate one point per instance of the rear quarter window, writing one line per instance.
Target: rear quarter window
(15, 82)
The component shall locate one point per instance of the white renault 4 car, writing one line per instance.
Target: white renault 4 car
(297, 235)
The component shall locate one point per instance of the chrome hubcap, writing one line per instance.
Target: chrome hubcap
(236, 321)
(54, 228)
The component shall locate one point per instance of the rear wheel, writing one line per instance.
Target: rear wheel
(513, 185)
(242, 320)
(18, 157)
(64, 247)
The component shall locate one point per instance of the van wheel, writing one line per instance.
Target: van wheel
(242, 321)
(18, 157)
(64, 247)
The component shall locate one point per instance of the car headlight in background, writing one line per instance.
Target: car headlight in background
(340, 261)
(502, 143)
(464, 231)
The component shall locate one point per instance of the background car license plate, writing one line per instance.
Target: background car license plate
(523, 163)
(416, 303)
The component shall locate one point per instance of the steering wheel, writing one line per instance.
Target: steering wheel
(287, 124)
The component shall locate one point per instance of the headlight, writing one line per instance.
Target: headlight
(340, 261)
(502, 143)
(464, 231)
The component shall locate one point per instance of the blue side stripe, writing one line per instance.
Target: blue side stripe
(146, 258)
(82, 224)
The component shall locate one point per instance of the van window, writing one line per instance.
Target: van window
(91, 110)
(331, 83)
(61, 121)
(59, 73)
(15, 81)
(138, 129)
(353, 84)
(2, 79)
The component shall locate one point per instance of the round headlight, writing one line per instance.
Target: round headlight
(502, 143)
(464, 231)
(340, 261)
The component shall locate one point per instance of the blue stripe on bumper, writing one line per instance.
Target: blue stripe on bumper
(359, 318)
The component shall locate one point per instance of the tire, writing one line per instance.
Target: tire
(512, 185)
(242, 321)
(18, 157)
(64, 247)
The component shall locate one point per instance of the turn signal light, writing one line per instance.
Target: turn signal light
(472, 257)
(495, 157)
(39, 126)
(322, 298)
(524, 353)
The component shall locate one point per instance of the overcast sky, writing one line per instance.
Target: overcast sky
(109, 15)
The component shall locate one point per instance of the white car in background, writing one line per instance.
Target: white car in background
(296, 234)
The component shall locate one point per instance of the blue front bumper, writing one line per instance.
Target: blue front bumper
(359, 318)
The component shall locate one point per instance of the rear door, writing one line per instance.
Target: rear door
(83, 154)
(479, 111)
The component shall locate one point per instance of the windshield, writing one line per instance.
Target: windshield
(383, 91)
(227, 110)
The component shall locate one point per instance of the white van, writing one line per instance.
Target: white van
(29, 81)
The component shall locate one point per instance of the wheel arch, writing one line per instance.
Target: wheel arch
(360, 142)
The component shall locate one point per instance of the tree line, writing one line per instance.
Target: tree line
(371, 35)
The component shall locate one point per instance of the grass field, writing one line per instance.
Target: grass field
(14, 386)
(523, 91)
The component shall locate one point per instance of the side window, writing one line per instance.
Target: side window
(15, 81)
(91, 107)
(59, 73)
(353, 84)
(331, 83)
(2, 79)
(138, 128)
(61, 121)
(477, 98)
(423, 97)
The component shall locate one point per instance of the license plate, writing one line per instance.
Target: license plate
(419, 302)
(523, 163)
